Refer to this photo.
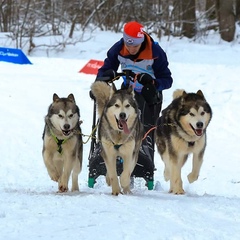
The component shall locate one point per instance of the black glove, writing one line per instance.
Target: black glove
(110, 73)
(107, 76)
(149, 93)
(144, 78)
(128, 72)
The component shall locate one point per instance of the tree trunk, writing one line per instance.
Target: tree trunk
(188, 18)
(238, 9)
(211, 9)
(226, 19)
(5, 15)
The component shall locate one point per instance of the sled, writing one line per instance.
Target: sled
(145, 165)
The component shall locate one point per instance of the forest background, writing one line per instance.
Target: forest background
(24, 21)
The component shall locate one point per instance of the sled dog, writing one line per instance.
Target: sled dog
(62, 142)
(181, 130)
(120, 132)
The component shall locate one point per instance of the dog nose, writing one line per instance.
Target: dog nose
(66, 126)
(199, 124)
(122, 115)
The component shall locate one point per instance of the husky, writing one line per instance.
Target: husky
(120, 132)
(62, 142)
(181, 130)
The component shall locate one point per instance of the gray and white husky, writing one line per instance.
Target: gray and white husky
(120, 132)
(181, 130)
(62, 142)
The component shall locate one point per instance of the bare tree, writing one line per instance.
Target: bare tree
(28, 19)
(238, 9)
(188, 18)
(226, 19)
(5, 15)
(211, 9)
(184, 18)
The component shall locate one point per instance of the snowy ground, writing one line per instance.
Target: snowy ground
(30, 208)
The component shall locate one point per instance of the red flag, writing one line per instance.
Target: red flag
(92, 67)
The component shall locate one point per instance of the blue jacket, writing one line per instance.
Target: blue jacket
(151, 59)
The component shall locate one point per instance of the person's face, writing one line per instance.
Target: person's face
(133, 49)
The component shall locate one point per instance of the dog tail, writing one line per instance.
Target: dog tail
(101, 92)
(178, 93)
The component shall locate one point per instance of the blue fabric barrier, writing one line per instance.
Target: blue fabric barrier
(13, 55)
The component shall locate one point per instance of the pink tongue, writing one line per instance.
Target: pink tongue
(124, 125)
(198, 132)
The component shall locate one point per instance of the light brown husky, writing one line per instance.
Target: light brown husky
(120, 132)
(62, 142)
(181, 130)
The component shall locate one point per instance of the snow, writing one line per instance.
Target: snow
(31, 208)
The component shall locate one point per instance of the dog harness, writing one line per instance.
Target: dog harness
(116, 146)
(59, 142)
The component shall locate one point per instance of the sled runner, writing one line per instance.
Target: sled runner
(145, 165)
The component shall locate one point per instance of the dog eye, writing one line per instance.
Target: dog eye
(60, 115)
(128, 105)
(202, 113)
(191, 114)
(70, 116)
(117, 106)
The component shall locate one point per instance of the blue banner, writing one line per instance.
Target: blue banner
(13, 55)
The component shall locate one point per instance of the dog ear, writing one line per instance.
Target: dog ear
(184, 94)
(200, 93)
(130, 90)
(113, 90)
(55, 97)
(71, 97)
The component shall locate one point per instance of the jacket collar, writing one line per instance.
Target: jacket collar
(146, 53)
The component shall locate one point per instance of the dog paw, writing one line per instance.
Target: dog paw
(75, 189)
(116, 191)
(178, 191)
(192, 177)
(54, 177)
(75, 186)
(127, 190)
(62, 189)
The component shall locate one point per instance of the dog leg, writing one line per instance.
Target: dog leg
(196, 165)
(125, 178)
(167, 168)
(50, 165)
(75, 173)
(166, 173)
(176, 180)
(67, 169)
(52, 172)
(58, 164)
(111, 177)
(108, 180)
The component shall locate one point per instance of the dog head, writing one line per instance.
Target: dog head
(63, 114)
(121, 109)
(194, 113)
